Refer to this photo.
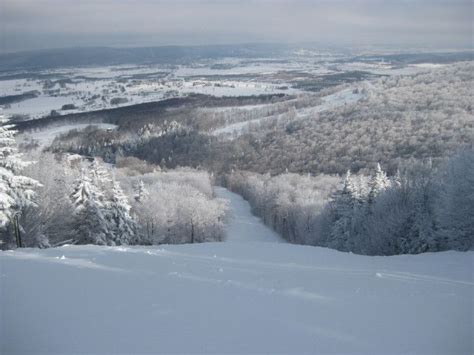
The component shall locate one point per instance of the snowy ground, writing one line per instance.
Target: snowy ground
(242, 297)
(46, 136)
(95, 88)
(243, 226)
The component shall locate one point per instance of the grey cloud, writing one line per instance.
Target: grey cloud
(104, 22)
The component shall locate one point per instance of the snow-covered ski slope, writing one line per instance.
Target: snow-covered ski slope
(243, 226)
(239, 297)
(329, 102)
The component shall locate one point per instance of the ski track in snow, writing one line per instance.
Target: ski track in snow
(243, 225)
(251, 294)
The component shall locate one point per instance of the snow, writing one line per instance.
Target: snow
(238, 128)
(93, 88)
(46, 136)
(17, 86)
(243, 225)
(429, 65)
(233, 297)
(38, 106)
(244, 296)
(254, 66)
(388, 68)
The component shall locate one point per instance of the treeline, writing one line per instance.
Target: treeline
(420, 209)
(291, 204)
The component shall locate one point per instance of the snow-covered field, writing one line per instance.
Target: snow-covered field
(95, 88)
(46, 136)
(242, 297)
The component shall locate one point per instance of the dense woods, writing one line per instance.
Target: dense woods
(72, 199)
(396, 119)
(427, 115)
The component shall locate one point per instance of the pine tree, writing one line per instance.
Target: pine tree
(16, 191)
(90, 223)
(343, 207)
(123, 226)
(101, 178)
(379, 183)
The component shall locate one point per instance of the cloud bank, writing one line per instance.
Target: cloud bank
(28, 24)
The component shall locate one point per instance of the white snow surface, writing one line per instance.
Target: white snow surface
(243, 225)
(238, 297)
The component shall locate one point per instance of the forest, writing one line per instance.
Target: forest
(397, 118)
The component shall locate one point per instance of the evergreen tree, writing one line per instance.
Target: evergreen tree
(90, 224)
(123, 226)
(343, 206)
(101, 178)
(379, 183)
(16, 191)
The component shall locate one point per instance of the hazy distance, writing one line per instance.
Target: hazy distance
(35, 24)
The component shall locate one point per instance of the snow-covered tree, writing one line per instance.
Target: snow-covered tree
(455, 204)
(99, 173)
(91, 226)
(379, 183)
(16, 191)
(101, 178)
(421, 185)
(343, 205)
(52, 217)
(124, 228)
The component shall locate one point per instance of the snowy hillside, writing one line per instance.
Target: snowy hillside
(242, 297)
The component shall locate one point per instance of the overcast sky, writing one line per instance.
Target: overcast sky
(29, 24)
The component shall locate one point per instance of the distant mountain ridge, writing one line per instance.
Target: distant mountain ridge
(87, 56)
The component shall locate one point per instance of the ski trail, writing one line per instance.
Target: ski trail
(243, 226)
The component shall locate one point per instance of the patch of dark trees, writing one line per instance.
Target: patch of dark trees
(133, 117)
(10, 99)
